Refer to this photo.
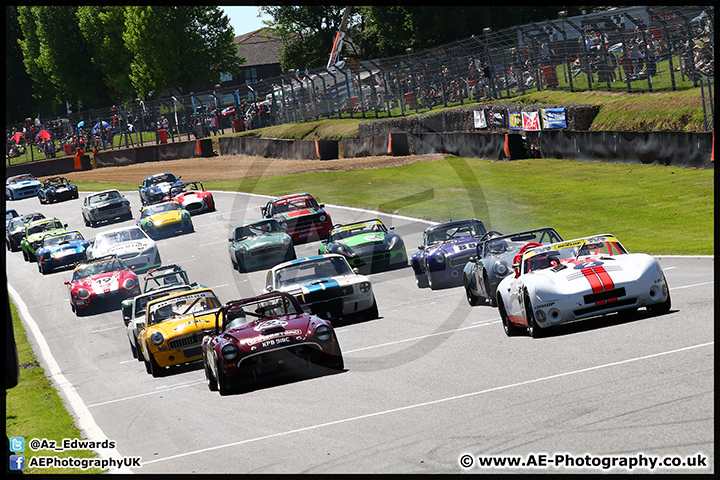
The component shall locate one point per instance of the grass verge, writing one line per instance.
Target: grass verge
(34, 410)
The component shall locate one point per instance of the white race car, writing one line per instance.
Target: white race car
(325, 286)
(131, 244)
(577, 279)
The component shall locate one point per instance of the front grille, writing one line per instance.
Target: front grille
(167, 227)
(266, 250)
(328, 294)
(109, 208)
(605, 306)
(460, 260)
(599, 297)
(187, 341)
(193, 207)
(28, 190)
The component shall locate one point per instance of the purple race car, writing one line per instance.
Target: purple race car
(445, 250)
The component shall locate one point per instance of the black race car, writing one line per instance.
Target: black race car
(56, 189)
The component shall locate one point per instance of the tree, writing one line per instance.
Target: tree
(174, 47)
(18, 84)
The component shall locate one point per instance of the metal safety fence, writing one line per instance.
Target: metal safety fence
(636, 49)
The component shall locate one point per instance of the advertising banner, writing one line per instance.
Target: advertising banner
(514, 120)
(530, 121)
(553, 118)
(479, 117)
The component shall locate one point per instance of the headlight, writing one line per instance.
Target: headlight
(149, 224)
(129, 283)
(83, 294)
(156, 338)
(395, 243)
(500, 268)
(286, 240)
(283, 225)
(323, 332)
(440, 258)
(322, 218)
(365, 287)
(242, 249)
(230, 351)
(186, 216)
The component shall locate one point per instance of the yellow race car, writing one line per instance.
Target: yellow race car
(164, 219)
(173, 329)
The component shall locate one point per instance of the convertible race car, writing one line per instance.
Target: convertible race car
(325, 286)
(15, 231)
(59, 250)
(105, 206)
(100, 280)
(56, 189)
(265, 337)
(193, 197)
(21, 186)
(156, 187)
(445, 249)
(163, 219)
(173, 329)
(34, 233)
(131, 244)
(578, 279)
(300, 215)
(261, 243)
(133, 312)
(493, 259)
(367, 244)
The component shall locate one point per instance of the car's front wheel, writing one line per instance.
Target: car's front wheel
(533, 328)
(210, 378)
(155, 369)
(472, 299)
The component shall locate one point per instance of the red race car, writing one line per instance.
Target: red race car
(193, 197)
(303, 218)
(100, 280)
(267, 337)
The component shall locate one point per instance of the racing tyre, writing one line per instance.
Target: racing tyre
(43, 269)
(432, 281)
(533, 328)
(491, 298)
(372, 312)
(511, 330)
(660, 308)
(222, 384)
(472, 299)
(155, 369)
(210, 378)
(421, 280)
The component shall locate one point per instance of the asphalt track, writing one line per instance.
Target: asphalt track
(432, 386)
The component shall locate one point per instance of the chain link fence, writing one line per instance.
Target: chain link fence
(637, 49)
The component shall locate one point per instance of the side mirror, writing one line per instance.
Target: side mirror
(65, 225)
(355, 269)
(421, 247)
(66, 282)
(230, 239)
(321, 205)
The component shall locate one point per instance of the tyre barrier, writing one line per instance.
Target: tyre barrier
(279, 148)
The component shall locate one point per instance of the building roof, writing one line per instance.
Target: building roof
(260, 47)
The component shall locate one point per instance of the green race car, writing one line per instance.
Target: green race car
(368, 245)
(262, 243)
(34, 233)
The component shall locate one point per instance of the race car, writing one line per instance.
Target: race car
(325, 286)
(164, 219)
(265, 337)
(174, 327)
(303, 218)
(131, 244)
(445, 249)
(10, 213)
(156, 187)
(261, 243)
(105, 206)
(133, 312)
(15, 231)
(101, 280)
(493, 258)
(367, 244)
(56, 189)
(34, 233)
(59, 250)
(578, 279)
(193, 197)
(21, 186)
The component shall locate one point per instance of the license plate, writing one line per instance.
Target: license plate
(275, 341)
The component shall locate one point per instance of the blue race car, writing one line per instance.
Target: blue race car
(61, 250)
(21, 186)
(445, 250)
(55, 189)
(156, 187)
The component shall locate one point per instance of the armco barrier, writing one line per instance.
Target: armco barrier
(279, 148)
(48, 168)
(681, 149)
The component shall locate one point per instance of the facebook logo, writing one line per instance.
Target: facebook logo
(17, 444)
(17, 462)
